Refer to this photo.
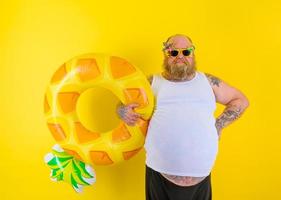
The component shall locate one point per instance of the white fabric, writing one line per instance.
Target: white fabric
(182, 138)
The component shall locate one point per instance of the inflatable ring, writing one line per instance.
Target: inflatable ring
(80, 74)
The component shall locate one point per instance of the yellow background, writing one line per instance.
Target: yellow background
(238, 41)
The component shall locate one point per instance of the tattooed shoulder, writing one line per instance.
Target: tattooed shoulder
(213, 79)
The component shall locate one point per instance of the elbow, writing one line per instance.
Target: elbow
(245, 102)
(248, 103)
(241, 101)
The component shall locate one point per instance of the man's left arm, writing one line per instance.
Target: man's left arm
(234, 100)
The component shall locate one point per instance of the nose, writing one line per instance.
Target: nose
(180, 55)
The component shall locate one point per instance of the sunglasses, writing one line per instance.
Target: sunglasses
(184, 51)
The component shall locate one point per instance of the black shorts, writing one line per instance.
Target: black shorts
(157, 187)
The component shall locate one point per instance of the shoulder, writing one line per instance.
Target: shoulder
(213, 80)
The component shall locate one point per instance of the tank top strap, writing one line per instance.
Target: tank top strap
(156, 83)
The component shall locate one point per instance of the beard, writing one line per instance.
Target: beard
(179, 71)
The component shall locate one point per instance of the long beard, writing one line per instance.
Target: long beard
(180, 71)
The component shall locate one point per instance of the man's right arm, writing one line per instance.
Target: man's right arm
(121, 109)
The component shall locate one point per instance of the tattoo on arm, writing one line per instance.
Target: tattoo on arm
(230, 114)
(233, 110)
(213, 80)
(120, 110)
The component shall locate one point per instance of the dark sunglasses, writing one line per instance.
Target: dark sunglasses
(184, 51)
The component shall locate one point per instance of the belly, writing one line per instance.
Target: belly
(185, 146)
(183, 180)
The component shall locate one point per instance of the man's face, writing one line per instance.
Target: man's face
(180, 66)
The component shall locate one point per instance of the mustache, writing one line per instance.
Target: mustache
(180, 65)
(183, 60)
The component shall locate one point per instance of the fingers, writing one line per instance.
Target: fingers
(131, 122)
(133, 105)
(129, 116)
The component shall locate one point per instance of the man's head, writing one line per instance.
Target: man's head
(179, 58)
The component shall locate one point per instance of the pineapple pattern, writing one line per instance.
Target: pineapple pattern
(79, 74)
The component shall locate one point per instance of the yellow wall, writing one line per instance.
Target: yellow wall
(238, 41)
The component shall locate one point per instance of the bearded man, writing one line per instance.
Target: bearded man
(182, 137)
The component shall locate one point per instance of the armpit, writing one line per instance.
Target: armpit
(150, 78)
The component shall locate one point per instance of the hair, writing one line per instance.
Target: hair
(167, 43)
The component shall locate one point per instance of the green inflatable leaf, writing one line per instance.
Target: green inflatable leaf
(65, 167)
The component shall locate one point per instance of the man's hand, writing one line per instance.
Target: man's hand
(127, 113)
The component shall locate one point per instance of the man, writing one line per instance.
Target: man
(182, 137)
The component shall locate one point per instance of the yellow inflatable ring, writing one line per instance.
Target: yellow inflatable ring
(75, 77)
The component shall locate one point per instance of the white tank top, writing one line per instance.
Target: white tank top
(182, 138)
